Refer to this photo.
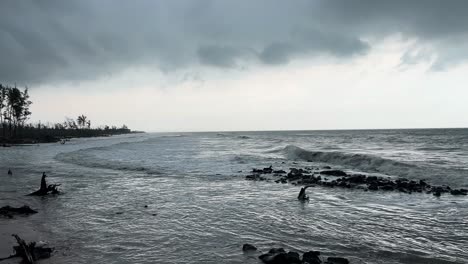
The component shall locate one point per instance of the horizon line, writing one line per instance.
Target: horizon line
(292, 130)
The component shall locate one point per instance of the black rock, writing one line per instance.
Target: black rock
(371, 179)
(311, 257)
(357, 179)
(263, 171)
(334, 173)
(252, 177)
(459, 192)
(293, 258)
(273, 258)
(279, 171)
(387, 188)
(248, 247)
(373, 187)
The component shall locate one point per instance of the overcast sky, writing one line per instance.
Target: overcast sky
(199, 65)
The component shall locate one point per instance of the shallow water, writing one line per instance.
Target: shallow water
(201, 210)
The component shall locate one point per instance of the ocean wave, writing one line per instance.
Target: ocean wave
(373, 164)
(439, 148)
(86, 158)
(365, 163)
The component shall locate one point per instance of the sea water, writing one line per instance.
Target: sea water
(183, 198)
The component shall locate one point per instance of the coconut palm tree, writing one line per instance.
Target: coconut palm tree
(82, 121)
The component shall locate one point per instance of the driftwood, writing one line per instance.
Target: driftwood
(9, 211)
(29, 252)
(51, 189)
(46, 189)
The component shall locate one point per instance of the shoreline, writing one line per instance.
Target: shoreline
(56, 138)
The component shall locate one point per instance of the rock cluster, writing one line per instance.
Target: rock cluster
(342, 179)
(280, 256)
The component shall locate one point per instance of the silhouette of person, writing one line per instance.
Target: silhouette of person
(302, 194)
(10, 172)
(43, 182)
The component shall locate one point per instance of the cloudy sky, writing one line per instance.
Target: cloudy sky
(204, 65)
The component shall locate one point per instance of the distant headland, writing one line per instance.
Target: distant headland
(14, 129)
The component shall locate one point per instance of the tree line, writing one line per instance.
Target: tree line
(15, 112)
(14, 109)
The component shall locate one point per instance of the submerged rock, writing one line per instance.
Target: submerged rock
(264, 170)
(459, 192)
(299, 176)
(248, 247)
(334, 173)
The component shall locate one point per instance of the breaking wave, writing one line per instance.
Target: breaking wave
(373, 164)
(361, 162)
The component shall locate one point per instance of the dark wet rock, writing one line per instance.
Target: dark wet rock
(248, 247)
(357, 179)
(293, 258)
(264, 170)
(326, 167)
(274, 256)
(459, 192)
(281, 258)
(279, 171)
(270, 258)
(340, 179)
(337, 260)
(9, 211)
(295, 174)
(255, 177)
(251, 177)
(387, 188)
(371, 179)
(268, 170)
(423, 183)
(311, 257)
(373, 187)
(334, 173)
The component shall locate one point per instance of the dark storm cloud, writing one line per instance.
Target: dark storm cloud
(51, 40)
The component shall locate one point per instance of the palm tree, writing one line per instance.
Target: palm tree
(82, 121)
